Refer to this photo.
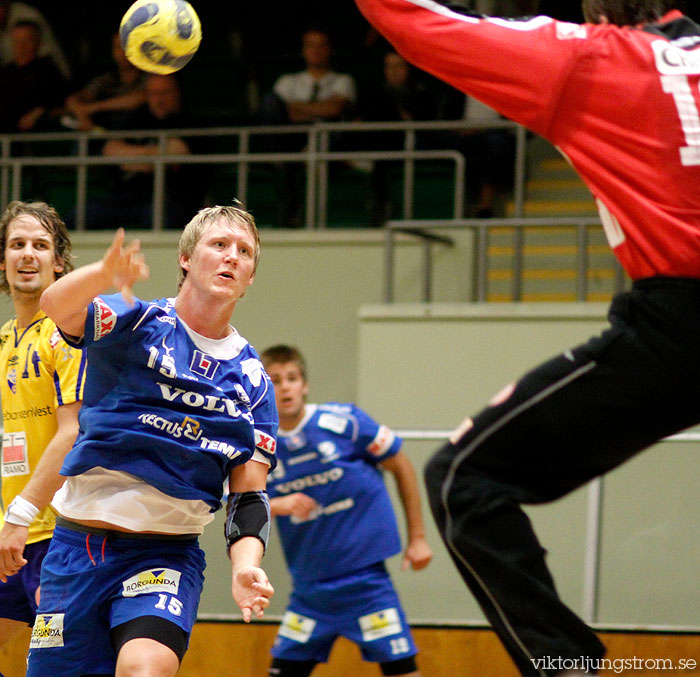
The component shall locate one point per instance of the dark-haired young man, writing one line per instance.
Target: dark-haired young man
(337, 526)
(620, 97)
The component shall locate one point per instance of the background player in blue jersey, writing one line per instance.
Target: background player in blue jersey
(337, 526)
(176, 402)
(41, 382)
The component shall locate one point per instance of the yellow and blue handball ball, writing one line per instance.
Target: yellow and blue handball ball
(160, 36)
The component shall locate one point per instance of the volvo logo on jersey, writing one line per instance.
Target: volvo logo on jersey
(199, 401)
(203, 365)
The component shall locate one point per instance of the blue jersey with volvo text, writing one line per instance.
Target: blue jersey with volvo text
(332, 456)
(169, 406)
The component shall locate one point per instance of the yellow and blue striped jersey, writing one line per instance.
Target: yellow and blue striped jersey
(39, 372)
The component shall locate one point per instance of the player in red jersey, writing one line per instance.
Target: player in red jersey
(620, 97)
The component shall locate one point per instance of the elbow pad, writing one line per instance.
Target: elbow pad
(247, 514)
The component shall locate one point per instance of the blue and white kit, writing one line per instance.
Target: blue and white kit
(336, 556)
(181, 416)
(332, 456)
(166, 415)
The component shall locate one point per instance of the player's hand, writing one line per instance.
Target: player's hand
(251, 591)
(298, 505)
(12, 541)
(124, 265)
(418, 554)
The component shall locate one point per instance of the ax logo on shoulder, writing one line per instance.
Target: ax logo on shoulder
(265, 442)
(382, 441)
(47, 631)
(105, 318)
(152, 580)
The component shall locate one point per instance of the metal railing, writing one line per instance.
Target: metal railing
(316, 155)
(429, 231)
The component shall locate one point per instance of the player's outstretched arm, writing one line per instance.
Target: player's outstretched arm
(418, 553)
(38, 492)
(250, 586)
(67, 299)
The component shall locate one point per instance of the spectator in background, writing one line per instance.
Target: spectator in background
(129, 201)
(108, 99)
(33, 87)
(489, 154)
(316, 94)
(13, 13)
(401, 96)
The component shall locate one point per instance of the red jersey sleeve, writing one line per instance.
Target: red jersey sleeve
(621, 103)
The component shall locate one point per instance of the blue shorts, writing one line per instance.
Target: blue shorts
(363, 607)
(18, 595)
(91, 583)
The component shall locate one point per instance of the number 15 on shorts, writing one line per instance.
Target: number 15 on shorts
(172, 604)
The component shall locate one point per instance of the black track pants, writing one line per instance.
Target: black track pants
(567, 421)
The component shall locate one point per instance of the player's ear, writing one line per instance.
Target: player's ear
(184, 261)
(58, 265)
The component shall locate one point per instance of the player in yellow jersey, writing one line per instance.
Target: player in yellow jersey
(41, 382)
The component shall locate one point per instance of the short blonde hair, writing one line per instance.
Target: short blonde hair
(235, 214)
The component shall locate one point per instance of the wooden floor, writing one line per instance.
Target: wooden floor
(236, 650)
